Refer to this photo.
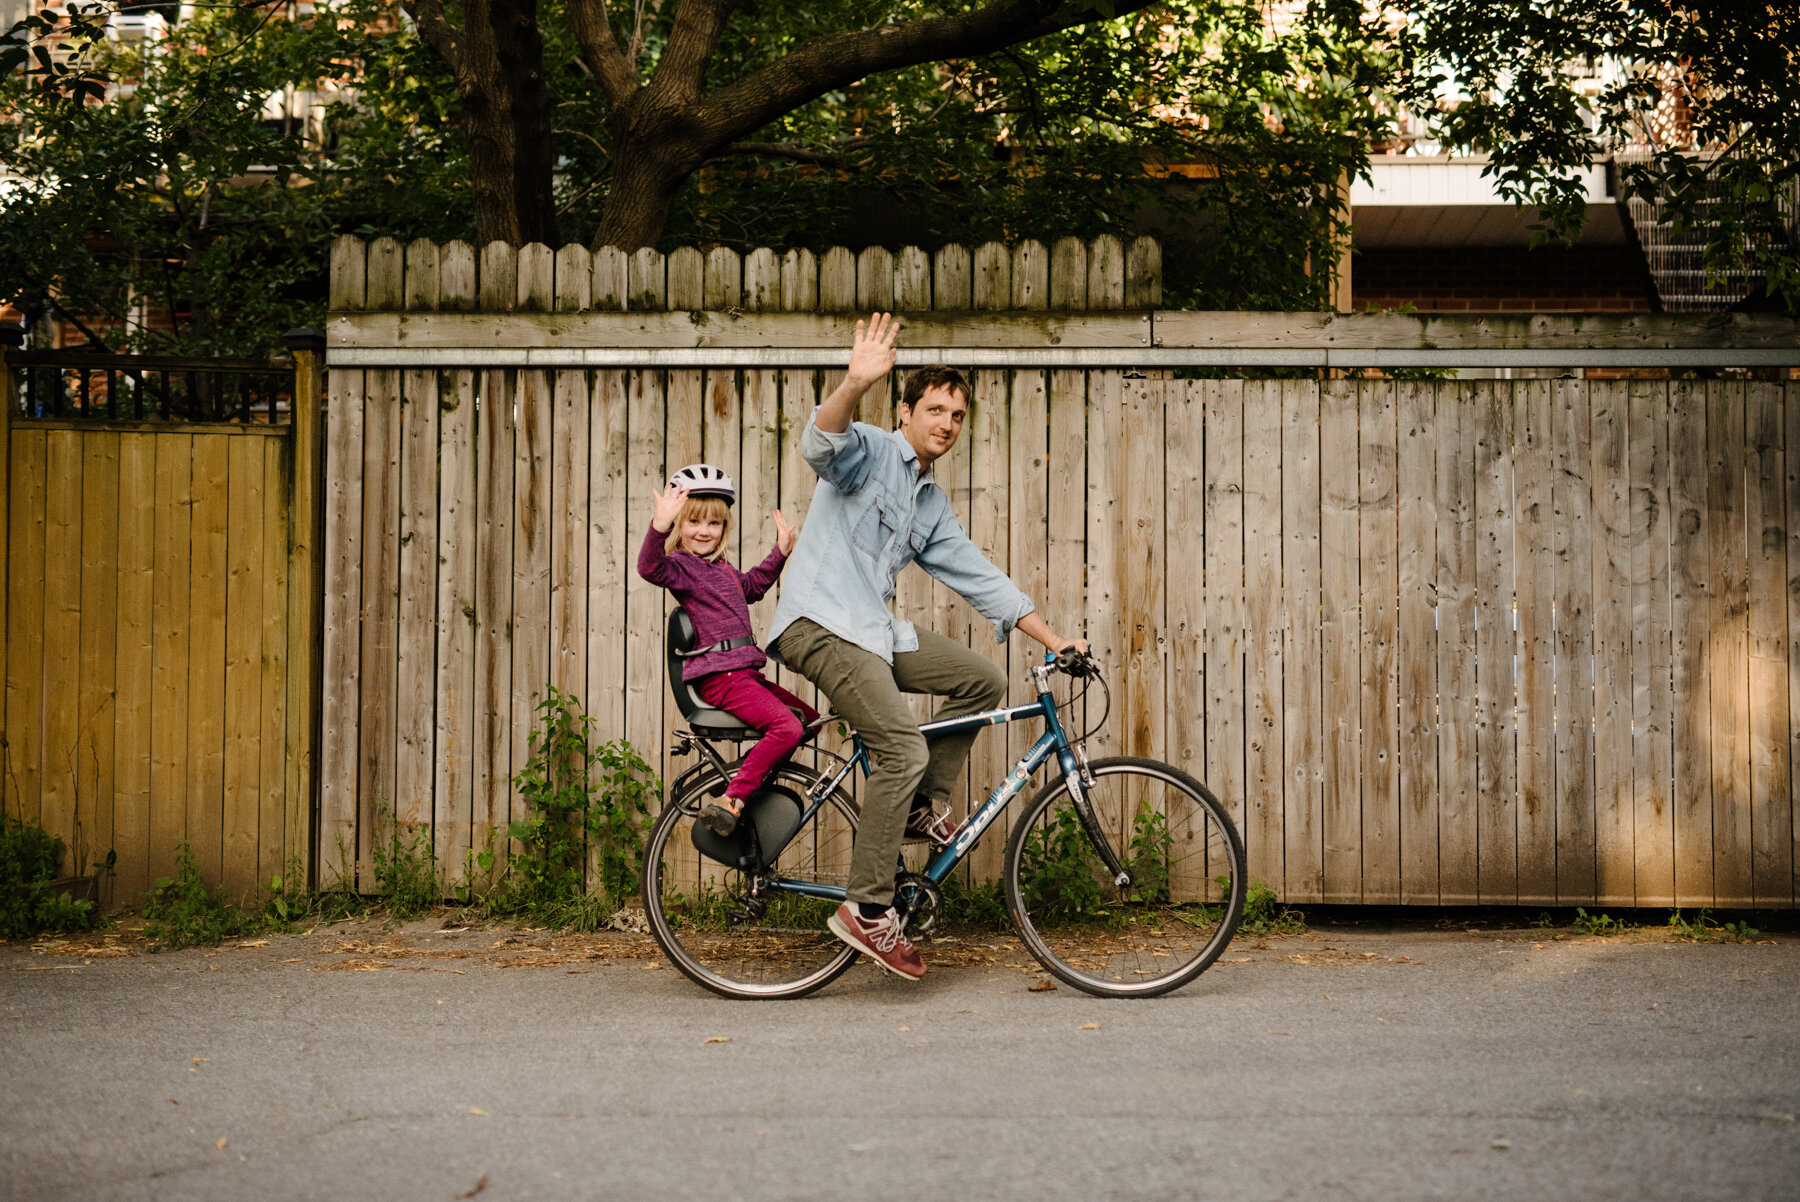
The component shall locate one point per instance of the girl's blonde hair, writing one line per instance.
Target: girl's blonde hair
(701, 508)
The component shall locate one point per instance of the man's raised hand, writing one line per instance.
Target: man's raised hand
(872, 352)
(668, 506)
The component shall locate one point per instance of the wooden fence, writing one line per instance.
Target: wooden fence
(158, 641)
(1433, 642)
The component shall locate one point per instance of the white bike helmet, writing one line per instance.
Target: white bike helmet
(705, 480)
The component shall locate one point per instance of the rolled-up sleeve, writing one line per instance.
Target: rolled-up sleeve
(952, 557)
(842, 460)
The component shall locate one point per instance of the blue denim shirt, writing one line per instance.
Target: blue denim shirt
(872, 514)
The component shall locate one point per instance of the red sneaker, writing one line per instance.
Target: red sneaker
(882, 940)
(927, 823)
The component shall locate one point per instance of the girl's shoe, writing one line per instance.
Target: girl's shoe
(721, 820)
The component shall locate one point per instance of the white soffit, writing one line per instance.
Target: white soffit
(1439, 201)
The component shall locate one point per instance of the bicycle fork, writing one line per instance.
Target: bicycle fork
(1078, 783)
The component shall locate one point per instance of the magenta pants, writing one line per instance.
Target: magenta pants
(746, 694)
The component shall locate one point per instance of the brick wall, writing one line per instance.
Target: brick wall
(1593, 279)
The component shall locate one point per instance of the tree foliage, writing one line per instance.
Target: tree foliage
(179, 196)
(1731, 68)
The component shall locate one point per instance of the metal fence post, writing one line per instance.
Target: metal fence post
(305, 561)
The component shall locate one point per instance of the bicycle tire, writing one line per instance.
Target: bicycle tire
(1154, 935)
(696, 907)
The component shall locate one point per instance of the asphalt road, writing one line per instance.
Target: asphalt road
(1344, 1065)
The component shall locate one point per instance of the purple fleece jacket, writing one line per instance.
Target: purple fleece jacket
(717, 597)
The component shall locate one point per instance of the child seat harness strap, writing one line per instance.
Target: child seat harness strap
(744, 640)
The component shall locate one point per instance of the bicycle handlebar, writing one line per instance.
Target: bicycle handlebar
(1078, 664)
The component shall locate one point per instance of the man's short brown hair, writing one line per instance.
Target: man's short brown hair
(937, 375)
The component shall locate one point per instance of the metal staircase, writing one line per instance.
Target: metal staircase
(1677, 258)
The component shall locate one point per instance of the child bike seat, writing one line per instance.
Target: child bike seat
(705, 721)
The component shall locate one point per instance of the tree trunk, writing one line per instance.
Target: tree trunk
(646, 175)
(506, 119)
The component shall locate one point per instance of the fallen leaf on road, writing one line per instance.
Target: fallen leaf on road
(1280, 1032)
(173, 1102)
(253, 943)
(1043, 986)
(906, 1028)
(478, 1112)
(294, 960)
(480, 1184)
(727, 1038)
(201, 1059)
(1090, 1026)
(212, 968)
(221, 1144)
(1501, 1145)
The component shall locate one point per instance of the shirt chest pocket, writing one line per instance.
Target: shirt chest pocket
(874, 528)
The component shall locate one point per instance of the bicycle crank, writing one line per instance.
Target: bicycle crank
(919, 902)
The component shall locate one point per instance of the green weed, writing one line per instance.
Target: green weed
(1702, 928)
(1599, 924)
(30, 858)
(183, 911)
(980, 906)
(1265, 915)
(406, 876)
(582, 839)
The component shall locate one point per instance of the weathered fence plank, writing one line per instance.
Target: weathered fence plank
(1614, 845)
(1339, 654)
(1416, 651)
(1266, 770)
(1766, 536)
(1690, 579)
(1377, 568)
(1733, 850)
(1535, 591)
(1226, 732)
(1315, 836)
(1653, 832)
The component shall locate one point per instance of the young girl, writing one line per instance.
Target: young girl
(683, 552)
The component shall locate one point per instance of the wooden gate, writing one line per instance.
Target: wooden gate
(158, 603)
(1434, 642)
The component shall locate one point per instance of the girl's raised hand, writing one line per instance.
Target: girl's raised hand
(669, 501)
(785, 533)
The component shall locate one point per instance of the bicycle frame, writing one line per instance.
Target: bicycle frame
(1054, 741)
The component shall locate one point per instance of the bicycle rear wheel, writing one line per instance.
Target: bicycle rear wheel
(729, 930)
(1170, 923)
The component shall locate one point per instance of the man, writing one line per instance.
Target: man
(875, 510)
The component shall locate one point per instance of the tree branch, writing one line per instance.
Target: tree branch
(786, 150)
(593, 30)
(836, 60)
(435, 30)
(681, 68)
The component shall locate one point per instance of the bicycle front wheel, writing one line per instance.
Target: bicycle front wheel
(733, 932)
(1187, 880)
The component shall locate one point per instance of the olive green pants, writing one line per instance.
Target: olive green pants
(865, 690)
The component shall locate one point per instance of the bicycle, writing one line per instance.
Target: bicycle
(1124, 877)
